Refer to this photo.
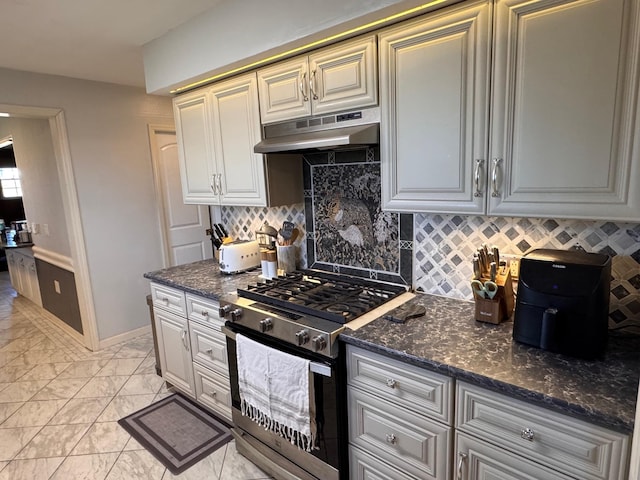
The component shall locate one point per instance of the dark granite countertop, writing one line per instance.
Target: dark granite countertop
(203, 278)
(448, 340)
(8, 246)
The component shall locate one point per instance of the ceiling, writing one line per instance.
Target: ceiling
(89, 39)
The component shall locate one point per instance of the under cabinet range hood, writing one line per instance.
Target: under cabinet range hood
(344, 130)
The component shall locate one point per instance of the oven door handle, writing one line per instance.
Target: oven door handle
(315, 367)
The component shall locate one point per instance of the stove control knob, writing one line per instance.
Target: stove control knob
(236, 314)
(266, 325)
(302, 337)
(319, 343)
(223, 310)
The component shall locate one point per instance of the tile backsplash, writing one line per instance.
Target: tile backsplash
(437, 249)
(444, 246)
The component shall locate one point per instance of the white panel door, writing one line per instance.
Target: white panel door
(236, 122)
(184, 226)
(433, 98)
(564, 101)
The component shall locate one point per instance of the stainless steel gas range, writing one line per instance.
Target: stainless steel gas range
(302, 314)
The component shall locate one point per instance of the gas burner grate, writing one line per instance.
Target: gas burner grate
(337, 298)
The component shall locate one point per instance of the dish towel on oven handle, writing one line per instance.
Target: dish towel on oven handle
(275, 391)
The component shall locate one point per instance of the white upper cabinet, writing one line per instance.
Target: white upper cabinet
(217, 128)
(562, 116)
(434, 100)
(236, 129)
(565, 92)
(195, 147)
(330, 80)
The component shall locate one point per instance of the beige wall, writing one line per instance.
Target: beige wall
(109, 147)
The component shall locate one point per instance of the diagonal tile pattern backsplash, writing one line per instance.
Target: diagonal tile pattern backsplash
(444, 246)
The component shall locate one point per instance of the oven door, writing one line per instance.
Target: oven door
(330, 460)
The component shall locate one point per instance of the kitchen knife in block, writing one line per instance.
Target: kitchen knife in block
(505, 293)
(404, 312)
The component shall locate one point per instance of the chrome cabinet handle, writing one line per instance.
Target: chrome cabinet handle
(213, 393)
(209, 351)
(165, 300)
(494, 177)
(476, 177)
(391, 438)
(212, 184)
(461, 458)
(527, 434)
(204, 313)
(391, 383)
(312, 85)
(303, 81)
(183, 336)
(219, 183)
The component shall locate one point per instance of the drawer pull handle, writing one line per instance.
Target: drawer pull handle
(209, 351)
(213, 393)
(462, 457)
(204, 313)
(391, 438)
(527, 434)
(391, 383)
(185, 341)
(165, 300)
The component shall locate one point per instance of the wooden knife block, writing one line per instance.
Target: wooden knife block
(500, 307)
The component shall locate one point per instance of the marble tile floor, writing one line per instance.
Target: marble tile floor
(59, 405)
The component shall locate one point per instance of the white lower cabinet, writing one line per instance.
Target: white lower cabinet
(399, 419)
(192, 347)
(175, 355)
(402, 420)
(478, 460)
(23, 274)
(571, 448)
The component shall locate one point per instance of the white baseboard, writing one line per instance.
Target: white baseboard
(72, 332)
(123, 337)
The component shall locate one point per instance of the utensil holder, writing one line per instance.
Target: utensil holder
(286, 258)
(500, 307)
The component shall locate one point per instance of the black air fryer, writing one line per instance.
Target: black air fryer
(563, 302)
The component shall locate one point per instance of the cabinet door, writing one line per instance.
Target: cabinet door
(14, 274)
(433, 99)
(32, 279)
(564, 100)
(344, 77)
(195, 148)
(477, 460)
(236, 122)
(284, 91)
(174, 350)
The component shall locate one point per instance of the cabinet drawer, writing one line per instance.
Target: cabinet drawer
(483, 461)
(409, 442)
(169, 299)
(213, 390)
(420, 390)
(203, 310)
(363, 466)
(209, 348)
(571, 446)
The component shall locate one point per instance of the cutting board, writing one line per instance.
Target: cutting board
(404, 312)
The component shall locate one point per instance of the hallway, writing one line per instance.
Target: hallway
(59, 405)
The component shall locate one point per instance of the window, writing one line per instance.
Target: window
(10, 182)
